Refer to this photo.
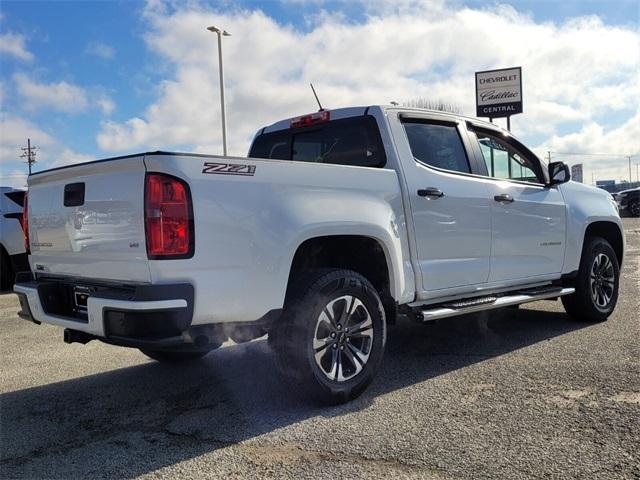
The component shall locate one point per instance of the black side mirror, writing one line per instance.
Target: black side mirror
(559, 173)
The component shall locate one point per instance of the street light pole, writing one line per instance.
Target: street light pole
(220, 33)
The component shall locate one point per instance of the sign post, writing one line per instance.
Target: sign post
(499, 93)
(576, 172)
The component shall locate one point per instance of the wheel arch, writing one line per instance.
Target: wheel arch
(609, 231)
(364, 254)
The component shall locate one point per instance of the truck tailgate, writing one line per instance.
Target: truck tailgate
(87, 220)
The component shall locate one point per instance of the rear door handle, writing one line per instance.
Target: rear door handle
(503, 198)
(430, 192)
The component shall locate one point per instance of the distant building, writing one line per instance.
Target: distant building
(605, 183)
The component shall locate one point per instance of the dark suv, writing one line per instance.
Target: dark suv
(630, 200)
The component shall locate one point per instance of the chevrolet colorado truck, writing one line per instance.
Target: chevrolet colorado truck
(335, 224)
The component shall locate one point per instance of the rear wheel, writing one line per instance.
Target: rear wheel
(596, 284)
(174, 356)
(330, 340)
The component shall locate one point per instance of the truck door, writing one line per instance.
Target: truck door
(528, 218)
(450, 208)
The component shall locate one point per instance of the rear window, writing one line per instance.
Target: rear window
(350, 141)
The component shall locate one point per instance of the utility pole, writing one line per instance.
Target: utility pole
(629, 158)
(29, 153)
(549, 155)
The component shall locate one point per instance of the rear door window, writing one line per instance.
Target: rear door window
(351, 141)
(437, 145)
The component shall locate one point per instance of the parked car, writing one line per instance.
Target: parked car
(629, 200)
(338, 222)
(13, 256)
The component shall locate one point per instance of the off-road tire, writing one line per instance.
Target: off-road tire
(292, 335)
(581, 305)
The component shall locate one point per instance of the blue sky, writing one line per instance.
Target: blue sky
(95, 79)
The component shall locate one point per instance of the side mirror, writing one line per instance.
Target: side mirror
(559, 173)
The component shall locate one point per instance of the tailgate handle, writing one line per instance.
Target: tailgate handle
(74, 194)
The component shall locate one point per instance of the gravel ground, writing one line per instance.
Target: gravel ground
(523, 393)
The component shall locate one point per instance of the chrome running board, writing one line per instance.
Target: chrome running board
(489, 303)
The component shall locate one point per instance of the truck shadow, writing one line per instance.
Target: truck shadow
(138, 419)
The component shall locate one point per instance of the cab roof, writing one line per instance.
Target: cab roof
(346, 112)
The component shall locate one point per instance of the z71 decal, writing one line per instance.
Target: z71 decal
(229, 169)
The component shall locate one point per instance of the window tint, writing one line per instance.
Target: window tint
(272, 145)
(437, 145)
(351, 141)
(503, 161)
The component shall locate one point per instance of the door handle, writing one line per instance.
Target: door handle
(503, 198)
(430, 192)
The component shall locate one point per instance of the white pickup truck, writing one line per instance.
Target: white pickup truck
(335, 224)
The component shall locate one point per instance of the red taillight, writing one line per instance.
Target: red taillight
(311, 119)
(25, 222)
(168, 219)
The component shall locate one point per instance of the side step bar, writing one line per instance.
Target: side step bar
(444, 311)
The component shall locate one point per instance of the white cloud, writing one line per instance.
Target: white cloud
(14, 133)
(592, 137)
(67, 156)
(61, 96)
(14, 178)
(573, 72)
(618, 142)
(13, 44)
(105, 104)
(101, 50)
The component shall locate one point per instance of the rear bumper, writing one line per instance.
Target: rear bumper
(136, 315)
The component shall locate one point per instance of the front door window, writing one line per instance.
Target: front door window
(505, 162)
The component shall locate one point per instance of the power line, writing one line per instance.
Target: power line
(621, 155)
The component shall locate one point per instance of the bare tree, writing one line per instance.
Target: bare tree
(441, 105)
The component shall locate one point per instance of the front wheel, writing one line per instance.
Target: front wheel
(634, 208)
(330, 340)
(596, 284)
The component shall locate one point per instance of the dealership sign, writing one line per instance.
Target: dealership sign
(499, 92)
(576, 172)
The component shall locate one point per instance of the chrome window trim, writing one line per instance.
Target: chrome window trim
(478, 176)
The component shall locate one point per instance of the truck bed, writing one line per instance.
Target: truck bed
(249, 216)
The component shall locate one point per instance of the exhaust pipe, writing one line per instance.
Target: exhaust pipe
(74, 336)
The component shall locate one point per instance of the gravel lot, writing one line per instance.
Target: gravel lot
(522, 393)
